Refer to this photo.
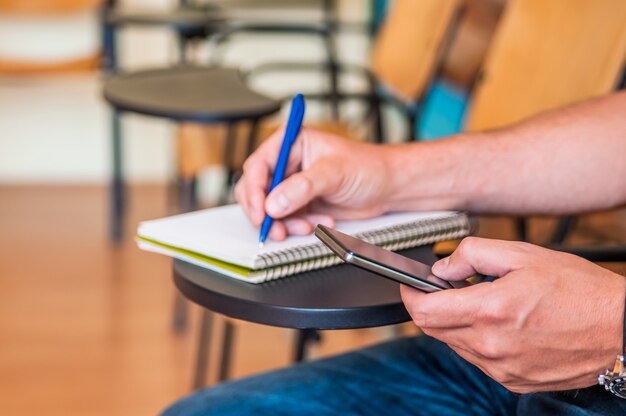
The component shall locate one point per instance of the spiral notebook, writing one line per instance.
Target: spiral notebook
(223, 240)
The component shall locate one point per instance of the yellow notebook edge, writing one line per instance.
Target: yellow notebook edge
(218, 265)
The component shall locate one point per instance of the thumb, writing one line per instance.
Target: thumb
(299, 189)
(479, 255)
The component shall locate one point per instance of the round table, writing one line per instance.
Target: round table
(339, 297)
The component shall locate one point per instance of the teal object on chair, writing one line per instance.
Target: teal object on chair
(378, 9)
(442, 111)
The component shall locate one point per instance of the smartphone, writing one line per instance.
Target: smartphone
(384, 262)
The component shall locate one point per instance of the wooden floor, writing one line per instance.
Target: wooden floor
(85, 326)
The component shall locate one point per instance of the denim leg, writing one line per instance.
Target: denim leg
(410, 376)
(586, 402)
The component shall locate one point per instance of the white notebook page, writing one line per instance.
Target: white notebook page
(225, 233)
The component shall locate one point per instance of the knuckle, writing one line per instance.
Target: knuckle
(496, 309)
(249, 163)
(467, 246)
(303, 184)
(492, 348)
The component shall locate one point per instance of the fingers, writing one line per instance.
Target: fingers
(278, 232)
(302, 224)
(480, 255)
(301, 188)
(251, 189)
(452, 308)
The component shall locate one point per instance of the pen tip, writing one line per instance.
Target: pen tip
(261, 244)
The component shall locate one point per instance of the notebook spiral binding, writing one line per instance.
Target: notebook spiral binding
(317, 256)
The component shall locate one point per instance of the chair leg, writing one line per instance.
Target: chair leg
(227, 348)
(521, 227)
(563, 228)
(203, 352)
(229, 154)
(187, 196)
(331, 56)
(303, 340)
(379, 127)
(109, 52)
(252, 136)
(117, 181)
(411, 118)
(180, 316)
(187, 201)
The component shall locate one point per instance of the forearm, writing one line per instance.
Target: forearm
(565, 161)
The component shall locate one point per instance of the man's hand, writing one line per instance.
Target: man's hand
(329, 178)
(552, 321)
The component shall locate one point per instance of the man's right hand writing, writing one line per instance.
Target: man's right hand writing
(328, 178)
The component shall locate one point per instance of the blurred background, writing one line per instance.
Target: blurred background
(113, 112)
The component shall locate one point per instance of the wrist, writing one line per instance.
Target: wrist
(438, 175)
(614, 377)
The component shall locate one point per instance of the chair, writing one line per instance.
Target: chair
(409, 51)
(190, 21)
(88, 63)
(546, 55)
(405, 57)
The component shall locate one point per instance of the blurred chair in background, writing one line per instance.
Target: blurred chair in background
(201, 21)
(409, 52)
(546, 55)
(406, 55)
(191, 21)
(53, 8)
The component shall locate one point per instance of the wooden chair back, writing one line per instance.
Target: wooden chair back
(409, 46)
(548, 54)
(45, 8)
(48, 7)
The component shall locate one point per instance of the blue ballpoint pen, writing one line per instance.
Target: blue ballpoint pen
(294, 124)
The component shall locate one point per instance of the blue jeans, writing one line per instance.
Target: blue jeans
(409, 376)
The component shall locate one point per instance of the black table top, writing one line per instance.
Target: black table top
(339, 297)
(188, 93)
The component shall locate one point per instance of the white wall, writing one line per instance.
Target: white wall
(56, 129)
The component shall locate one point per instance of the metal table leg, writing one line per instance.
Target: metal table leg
(203, 352)
(227, 348)
(304, 338)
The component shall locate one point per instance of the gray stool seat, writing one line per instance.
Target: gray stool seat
(199, 94)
